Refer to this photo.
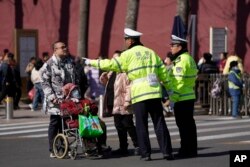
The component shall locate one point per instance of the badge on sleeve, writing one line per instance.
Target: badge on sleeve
(178, 69)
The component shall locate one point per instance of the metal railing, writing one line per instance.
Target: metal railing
(223, 104)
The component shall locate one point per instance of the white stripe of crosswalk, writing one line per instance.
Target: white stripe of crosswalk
(222, 136)
(24, 123)
(22, 127)
(217, 129)
(109, 128)
(23, 131)
(207, 130)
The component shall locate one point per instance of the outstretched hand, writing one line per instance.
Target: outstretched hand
(86, 61)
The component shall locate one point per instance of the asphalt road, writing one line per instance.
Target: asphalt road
(24, 144)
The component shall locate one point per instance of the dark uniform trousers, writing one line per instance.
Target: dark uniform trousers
(183, 111)
(154, 108)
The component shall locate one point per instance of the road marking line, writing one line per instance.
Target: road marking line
(26, 123)
(111, 129)
(202, 138)
(23, 127)
(23, 131)
(222, 136)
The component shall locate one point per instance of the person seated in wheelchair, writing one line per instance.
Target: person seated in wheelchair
(96, 146)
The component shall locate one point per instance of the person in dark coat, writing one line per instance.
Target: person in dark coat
(17, 93)
(208, 67)
(81, 76)
(7, 82)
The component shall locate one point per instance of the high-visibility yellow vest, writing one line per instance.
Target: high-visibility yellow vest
(231, 85)
(144, 68)
(182, 78)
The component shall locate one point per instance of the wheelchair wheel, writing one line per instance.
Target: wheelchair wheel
(60, 146)
(72, 153)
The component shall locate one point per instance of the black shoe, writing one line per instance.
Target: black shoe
(16, 107)
(147, 158)
(186, 155)
(168, 157)
(106, 148)
(91, 153)
(121, 152)
(137, 151)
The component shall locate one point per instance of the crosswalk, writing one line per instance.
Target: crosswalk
(207, 129)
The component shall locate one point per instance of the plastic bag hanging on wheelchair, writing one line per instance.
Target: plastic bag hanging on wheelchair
(89, 126)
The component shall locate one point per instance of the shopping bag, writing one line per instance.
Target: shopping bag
(31, 93)
(89, 126)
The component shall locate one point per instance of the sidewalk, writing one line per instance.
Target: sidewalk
(24, 114)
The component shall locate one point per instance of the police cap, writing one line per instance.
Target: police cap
(129, 33)
(177, 40)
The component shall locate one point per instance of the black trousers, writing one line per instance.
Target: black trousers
(154, 108)
(55, 126)
(7, 90)
(125, 125)
(183, 112)
(29, 85)
(17, 96)
(101, 140)
(98, 142)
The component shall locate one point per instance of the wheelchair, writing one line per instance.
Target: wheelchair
(68, 142)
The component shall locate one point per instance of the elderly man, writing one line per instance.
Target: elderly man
(55, 73)
(145, 70)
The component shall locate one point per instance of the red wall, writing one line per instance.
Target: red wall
(215, 14)
(155, 21)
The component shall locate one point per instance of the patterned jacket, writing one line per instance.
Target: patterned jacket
(55, 73)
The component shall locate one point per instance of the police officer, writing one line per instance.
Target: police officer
(145, 70)
(181, 90)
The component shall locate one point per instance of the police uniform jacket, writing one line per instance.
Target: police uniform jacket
(144, 69)
(181, 80)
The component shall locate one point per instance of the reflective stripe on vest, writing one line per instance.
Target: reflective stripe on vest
(144, 94)
(118, 64)
(143, 67)
(184, 76)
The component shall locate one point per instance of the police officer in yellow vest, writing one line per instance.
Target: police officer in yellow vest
(145, 70)
(181, 91)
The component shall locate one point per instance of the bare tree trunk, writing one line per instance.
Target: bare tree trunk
(82, 44)
(107, 26)
(242, 14)
(19, 14)
(183, 10)
(64, 21)
(132, 14)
